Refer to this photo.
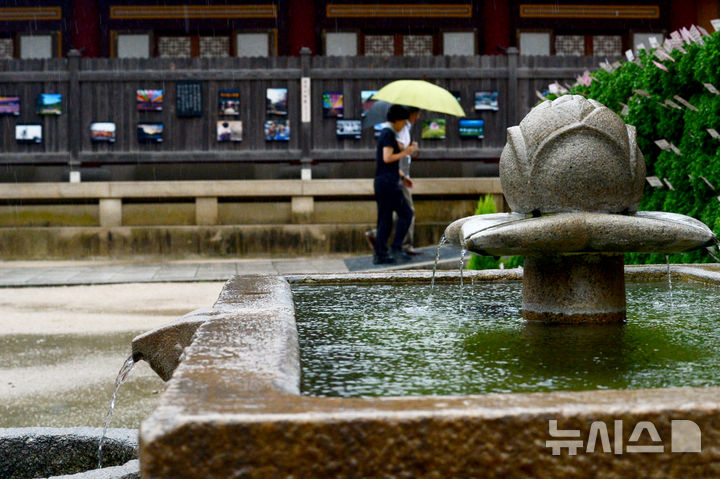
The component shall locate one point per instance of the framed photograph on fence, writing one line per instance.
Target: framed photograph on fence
(229, 102)
(366, 101)
(150, 132)
(486, 100)
(49, 104)
(10, 105)
(434, 129)
(276, 101)
(149, 100)
(332, 104)
(348, 129)
(102, 132)
(277, 130)
(28, 133)
(229, 130)
(471, 128)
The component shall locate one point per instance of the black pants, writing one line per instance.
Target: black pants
(389, 198)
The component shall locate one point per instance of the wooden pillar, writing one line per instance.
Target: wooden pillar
(85, 31)
(683, 13)
(512, 87)
(306, 128)
(75, 129)
(496, 26)
(301, 14)
(707, 11)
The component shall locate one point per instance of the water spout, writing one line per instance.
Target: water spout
(162, 347)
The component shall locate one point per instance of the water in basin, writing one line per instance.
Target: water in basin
(396, 340)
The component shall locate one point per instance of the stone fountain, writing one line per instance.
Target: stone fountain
(573, 176)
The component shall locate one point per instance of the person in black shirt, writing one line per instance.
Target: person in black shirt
(388, 195)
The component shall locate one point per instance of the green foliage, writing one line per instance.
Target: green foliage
(644, 88)
(486, 205)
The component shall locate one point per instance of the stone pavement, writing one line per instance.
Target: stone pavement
(155, 270)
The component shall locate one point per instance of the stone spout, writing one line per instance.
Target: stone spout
(241, 302)
(163, 347)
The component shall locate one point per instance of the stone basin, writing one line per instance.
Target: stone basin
(35, 452)
(233, 408)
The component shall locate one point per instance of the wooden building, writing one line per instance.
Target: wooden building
(249, 48)
(195, 28)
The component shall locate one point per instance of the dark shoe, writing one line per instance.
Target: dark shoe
(413, 252)
(384, 260)
(371, 238)
(400, 255)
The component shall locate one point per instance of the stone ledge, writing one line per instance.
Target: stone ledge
(182, 241)
(238, 188)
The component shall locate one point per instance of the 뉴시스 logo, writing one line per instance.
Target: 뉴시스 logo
(685, 437)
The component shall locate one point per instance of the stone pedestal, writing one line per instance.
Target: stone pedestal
(579, 288)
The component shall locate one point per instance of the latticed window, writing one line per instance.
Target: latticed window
(6, 48)
(380, 45)
(417, 45)
(174, 46)
(570, 45)
(607, 45)
(214, 46)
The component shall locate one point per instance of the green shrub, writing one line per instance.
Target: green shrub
(486, 205)
(685, 128)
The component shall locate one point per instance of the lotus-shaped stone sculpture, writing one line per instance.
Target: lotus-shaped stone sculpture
(573, 175)
(572, 154)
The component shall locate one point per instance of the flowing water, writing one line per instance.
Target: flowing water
(119, 380)
(442, 242)
(463, 252)
(669, 277)
(389, 340)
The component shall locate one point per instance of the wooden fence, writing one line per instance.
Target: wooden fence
(105, 90)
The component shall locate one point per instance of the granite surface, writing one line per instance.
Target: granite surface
(232, 409)
(582, 232)
(572, 154)
(67, 452)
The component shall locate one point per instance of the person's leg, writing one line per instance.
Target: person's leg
(409, 240)
(405, 215)
(384, 223)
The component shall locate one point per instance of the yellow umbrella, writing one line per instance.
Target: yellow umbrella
(420, 94)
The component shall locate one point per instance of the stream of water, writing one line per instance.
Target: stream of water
(442, 242)
(119, 380)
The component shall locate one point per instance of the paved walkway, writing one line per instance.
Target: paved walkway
(66, 273)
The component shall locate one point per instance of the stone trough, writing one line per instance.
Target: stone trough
(35, 452)
(232, 407)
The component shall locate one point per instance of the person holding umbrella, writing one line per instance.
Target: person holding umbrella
(388, 195)
(404, 139)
